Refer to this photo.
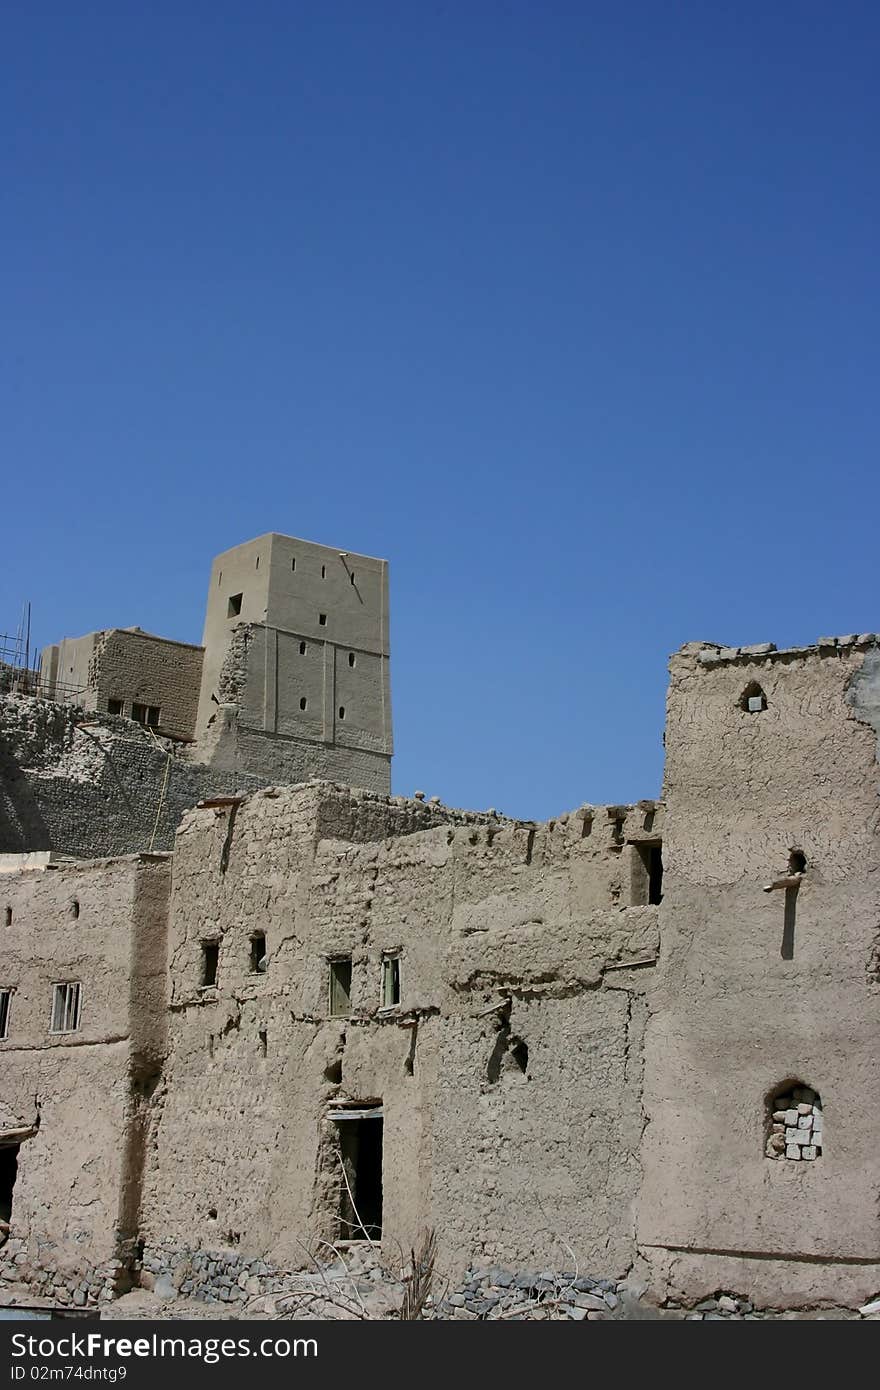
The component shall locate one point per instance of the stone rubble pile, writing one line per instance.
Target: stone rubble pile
(796, 1128)
(496, 1294)
(26, 1273)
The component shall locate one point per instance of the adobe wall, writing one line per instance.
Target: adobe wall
(756, 990)
(134, 666)
(508, 934)
(80, 1096)
(91, 792)
(130, 666)
(66, 669)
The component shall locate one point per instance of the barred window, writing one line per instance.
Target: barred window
(65, 1008)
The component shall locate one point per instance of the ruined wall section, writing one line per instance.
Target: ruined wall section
(258, 723)
(506, 933)
(129, 667)
(136, 667)
(761, 991)
(66, 669)
(79, 1096)
(95, 791)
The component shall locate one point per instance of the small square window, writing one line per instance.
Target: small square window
(234, 606)
(65, 1008)
(116, 707)
(756, 704)
(5, 1003)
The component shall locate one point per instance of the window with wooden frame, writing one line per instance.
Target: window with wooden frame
(5, 1005)
(66, 1001)
(340, 986)
(390, 980)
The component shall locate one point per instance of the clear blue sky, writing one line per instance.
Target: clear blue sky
(570, 310)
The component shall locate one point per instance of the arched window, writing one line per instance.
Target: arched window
(753, 700)
(794, 1123)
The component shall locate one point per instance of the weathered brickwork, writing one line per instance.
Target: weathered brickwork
(291, 682)
(89, 785)
(74, 1103)
(127, 668)
(758, 991)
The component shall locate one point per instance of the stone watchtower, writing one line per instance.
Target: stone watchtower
(295, 680)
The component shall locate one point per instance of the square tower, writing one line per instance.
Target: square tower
(296, 640)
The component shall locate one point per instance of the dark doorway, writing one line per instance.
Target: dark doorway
(210, 961)
(647, 873)
(655, 873)
(8, 1174)
(360, 1147)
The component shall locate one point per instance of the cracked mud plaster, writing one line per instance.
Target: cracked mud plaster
(863, 695)
(480, 910)
(748, 996)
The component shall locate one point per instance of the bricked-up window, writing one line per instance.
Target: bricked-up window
(65, 1007)
(390, 981)
(5, 1005)
(210, 961)
(233, 608)
(794, 1124)
(340, 986)
(146, 714)
(116, 707)
(753, 700)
